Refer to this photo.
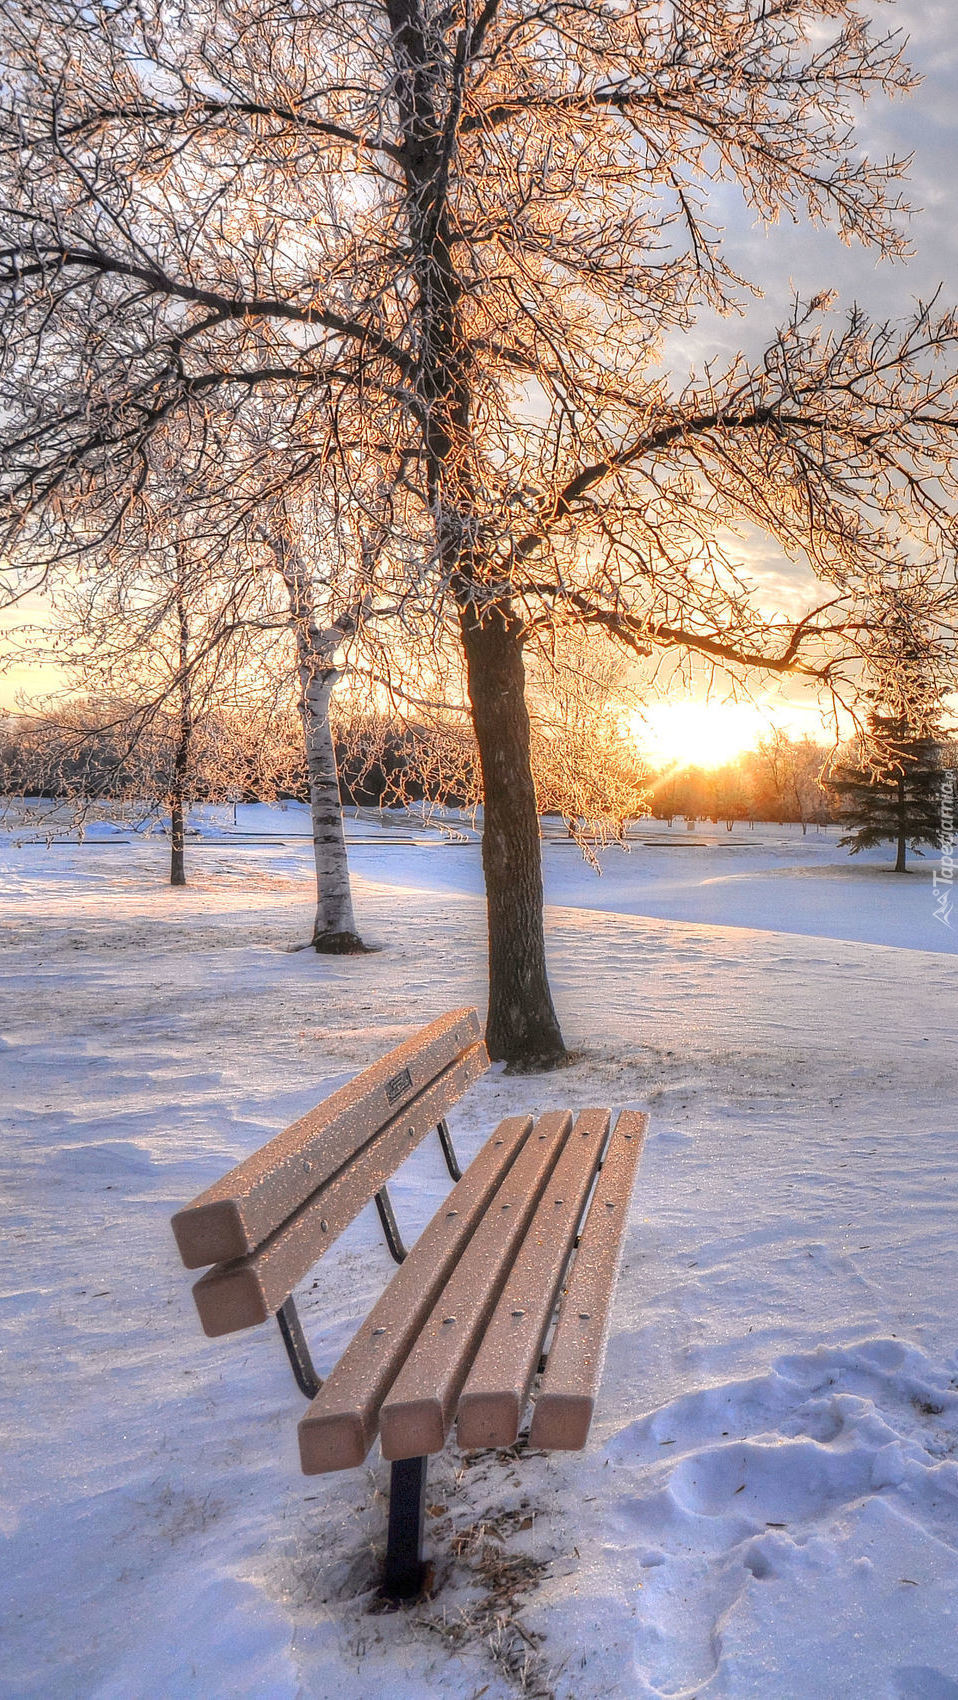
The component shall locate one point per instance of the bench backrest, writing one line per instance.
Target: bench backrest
(268, 1221)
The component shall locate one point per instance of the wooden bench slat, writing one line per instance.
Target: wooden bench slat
(343, 1420)
(570, 1381)
(418, 1410)
(238, 1295)
(232, 1217)
(497, 1386)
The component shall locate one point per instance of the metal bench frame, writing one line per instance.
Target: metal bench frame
(404, 1568)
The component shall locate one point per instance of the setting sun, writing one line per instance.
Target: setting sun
(701, 734)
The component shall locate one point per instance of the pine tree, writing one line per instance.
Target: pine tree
(895, 794)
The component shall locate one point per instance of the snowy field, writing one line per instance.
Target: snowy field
(768, 1505)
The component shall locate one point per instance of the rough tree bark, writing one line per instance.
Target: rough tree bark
(522, 1025)
(334, 928)
(179, 802)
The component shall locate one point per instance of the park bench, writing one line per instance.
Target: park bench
(469, 1319)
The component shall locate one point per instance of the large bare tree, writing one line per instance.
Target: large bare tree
(436, 244)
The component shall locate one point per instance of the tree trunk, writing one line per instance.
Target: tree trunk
(334, 928)
(177, 841)
(179, 806)
(522, 1026)
(900, 867)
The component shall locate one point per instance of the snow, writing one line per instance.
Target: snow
(768, 1504)
(770, 877)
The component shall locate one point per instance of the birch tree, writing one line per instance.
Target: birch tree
(165, 635)
(437, 245)
(317, 651)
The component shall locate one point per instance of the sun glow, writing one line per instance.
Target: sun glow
(695, 733)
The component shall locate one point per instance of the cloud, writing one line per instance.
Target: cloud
(790, 258)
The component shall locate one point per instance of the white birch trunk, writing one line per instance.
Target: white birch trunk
(334, 929)
(334, 904)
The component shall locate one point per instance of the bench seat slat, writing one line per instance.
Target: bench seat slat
(497, 1387)
(343, 1420)
(237, 1213)
(241, 1294)
(417, 1413)
(570, 1381)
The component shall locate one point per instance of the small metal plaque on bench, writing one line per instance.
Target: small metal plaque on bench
(398, 1086)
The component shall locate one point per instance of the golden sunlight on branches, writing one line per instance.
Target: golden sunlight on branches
(414, 262)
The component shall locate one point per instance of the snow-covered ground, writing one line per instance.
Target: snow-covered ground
(774, 877)
(768, 1504)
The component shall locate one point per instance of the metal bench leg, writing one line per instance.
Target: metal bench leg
(407, 1509)
(297, 1350)
(397, 1250)
(448, 1150)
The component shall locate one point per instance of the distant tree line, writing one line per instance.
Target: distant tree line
(97, 750)
(92, 751)
(885, 786)
(83, 750)
(782, 779)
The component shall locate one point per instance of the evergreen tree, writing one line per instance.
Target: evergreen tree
(895, 794)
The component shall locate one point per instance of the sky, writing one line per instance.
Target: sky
(790, 259)
(794, 259)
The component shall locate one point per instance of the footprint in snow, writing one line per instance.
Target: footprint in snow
(767, 1483)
